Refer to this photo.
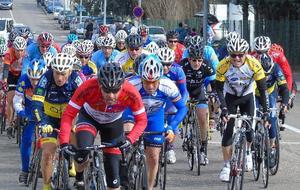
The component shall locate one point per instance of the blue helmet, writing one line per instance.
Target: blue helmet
(36, 68)
(72, 37)
(151, 68)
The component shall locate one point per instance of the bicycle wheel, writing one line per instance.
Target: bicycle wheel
(274, 169)
(190, 153)
(163, 168)
(265, 148)
(141, 182)
(197, 145)
(34, 170)
(256, 156)
(100, 173)
(3, 116)
(88, 178)
(238, 166)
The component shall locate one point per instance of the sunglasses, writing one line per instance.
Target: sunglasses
(45, 47)
(2, 55)
(197, 60)
(134, 49)
(111, 90)
(83, 57)
(236, 55)
(167, 64)
(173, 41)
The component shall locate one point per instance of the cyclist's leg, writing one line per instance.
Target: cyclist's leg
(273, 118)
(170, 154)
(152, 158)
(11, 80)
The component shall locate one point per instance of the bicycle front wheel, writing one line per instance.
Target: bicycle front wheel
(34, 170)
(274, 169)
(141, 182)
(265, 158)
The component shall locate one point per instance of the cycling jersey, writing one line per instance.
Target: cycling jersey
(221, 52)
(89, 98)
(147, 41)
(179, 49)
(279, 58)
(99, 58)
(89, 70)
(33, 51)
(15, 65)
(49, 99)
(209, 56)
(239, 81)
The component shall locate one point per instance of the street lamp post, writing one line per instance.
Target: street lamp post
(104, 12)
(205, 12)
(80, 12)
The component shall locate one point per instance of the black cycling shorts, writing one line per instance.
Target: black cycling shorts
(12, 80)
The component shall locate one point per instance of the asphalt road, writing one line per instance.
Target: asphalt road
(179, 176)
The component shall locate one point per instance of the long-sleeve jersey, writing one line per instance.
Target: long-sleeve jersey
(33, 51)
(99, 58)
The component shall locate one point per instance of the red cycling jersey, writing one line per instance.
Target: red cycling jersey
(89, 96)
(279, 58)
(178, 52)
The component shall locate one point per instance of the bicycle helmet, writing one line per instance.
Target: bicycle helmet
(109, 41)
(12, 35)
(77, 64)
(267, 63)
(262, 43)
(134, 41)
(277, 47)
(45, 39)
(172, 35)
(232, 35)
(143, 30)
(19, 43)
(162, 43)
(152, 47)
(36, 68)
(187, 41)
(196, 40)
(166, 55)
(196, 51)
(47, 57)
(237, 45)
(69, 49)
(111, 76)
(121, 35)
(133, 30)
(72, 37)
(137, 62)
(151, 69)
(2, 40)
(76, 43)
(3, 49)
(24, 32)
(99, 41)
(62, 62)
(85, 48)
(103, 29)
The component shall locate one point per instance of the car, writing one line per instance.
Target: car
(74, 23)
(157, 33)
(65, 24)
(6, 25)
(51, 6)
(6, 4)
(18, 26)
(56, 12)
(62, 15)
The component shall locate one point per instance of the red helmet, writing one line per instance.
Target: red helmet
(45, 39)
(143, 30)
(103, 29)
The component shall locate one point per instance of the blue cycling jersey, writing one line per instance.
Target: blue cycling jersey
(33, 51)
(147, 41)
(99, 58)
(221, 52)
(209, 55)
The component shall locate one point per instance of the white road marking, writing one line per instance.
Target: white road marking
(292, 128)
(12, 16)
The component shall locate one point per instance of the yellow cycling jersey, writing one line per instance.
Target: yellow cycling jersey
(239, 81)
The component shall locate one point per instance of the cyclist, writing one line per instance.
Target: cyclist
(70, 39)
(84, 52)
(235, 79)
(155, 91)
(120, 36)
(172, 40)
(43, 45)
(25, 32)
(54, 90)
(174, 72)
(107, 53)
(23, 107)
(274, 76)
(262, 44)
(11, 37)
(100, 103)
(143, 31)
(103, 31)
(14, 61)
(152, 47)
(199, 74)
(134, 46)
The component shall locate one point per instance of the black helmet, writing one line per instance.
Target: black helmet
(161, 43)
(134, 41)
(172, 34)
(267, 63)
(196, 51)
(12, 35)
(137, 62)
(111, 76)
(24, 32)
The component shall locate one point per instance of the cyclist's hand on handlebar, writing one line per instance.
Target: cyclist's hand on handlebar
(170, 136)
(125, 144)
(47, 129)
(284, 109)
(224, 114)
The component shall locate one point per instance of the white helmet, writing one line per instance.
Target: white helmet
(151, 69)
(109, 41)
(36, 69)
(152, 47)
(232, 35)
(3, 49)
(76, 43)
(237, 45)
(121, 35)
(69, 49)
(48, 56)
(166, 55)
(62, 62)
(19, 43)
(85, 48)
(196, 40)
(133, 30)
(262, 43)
(99, 41)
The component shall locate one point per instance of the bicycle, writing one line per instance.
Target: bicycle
(191, 142)
(237, 163)
(261, 152)
(3, 91)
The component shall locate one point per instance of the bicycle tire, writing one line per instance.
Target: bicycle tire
(256, 157)
(274, 170)
(190, 147)
(34, 170)
(100, 174)
(197, 155)
(141, 182)
(163, 168)
(3, 116)
(265, 158)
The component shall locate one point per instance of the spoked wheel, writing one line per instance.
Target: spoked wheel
(141, 182)
(265, 158)
(256, 156)
(274, 169)
(237, 168)
(34, 171)
(162, 173)
(197, 156)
